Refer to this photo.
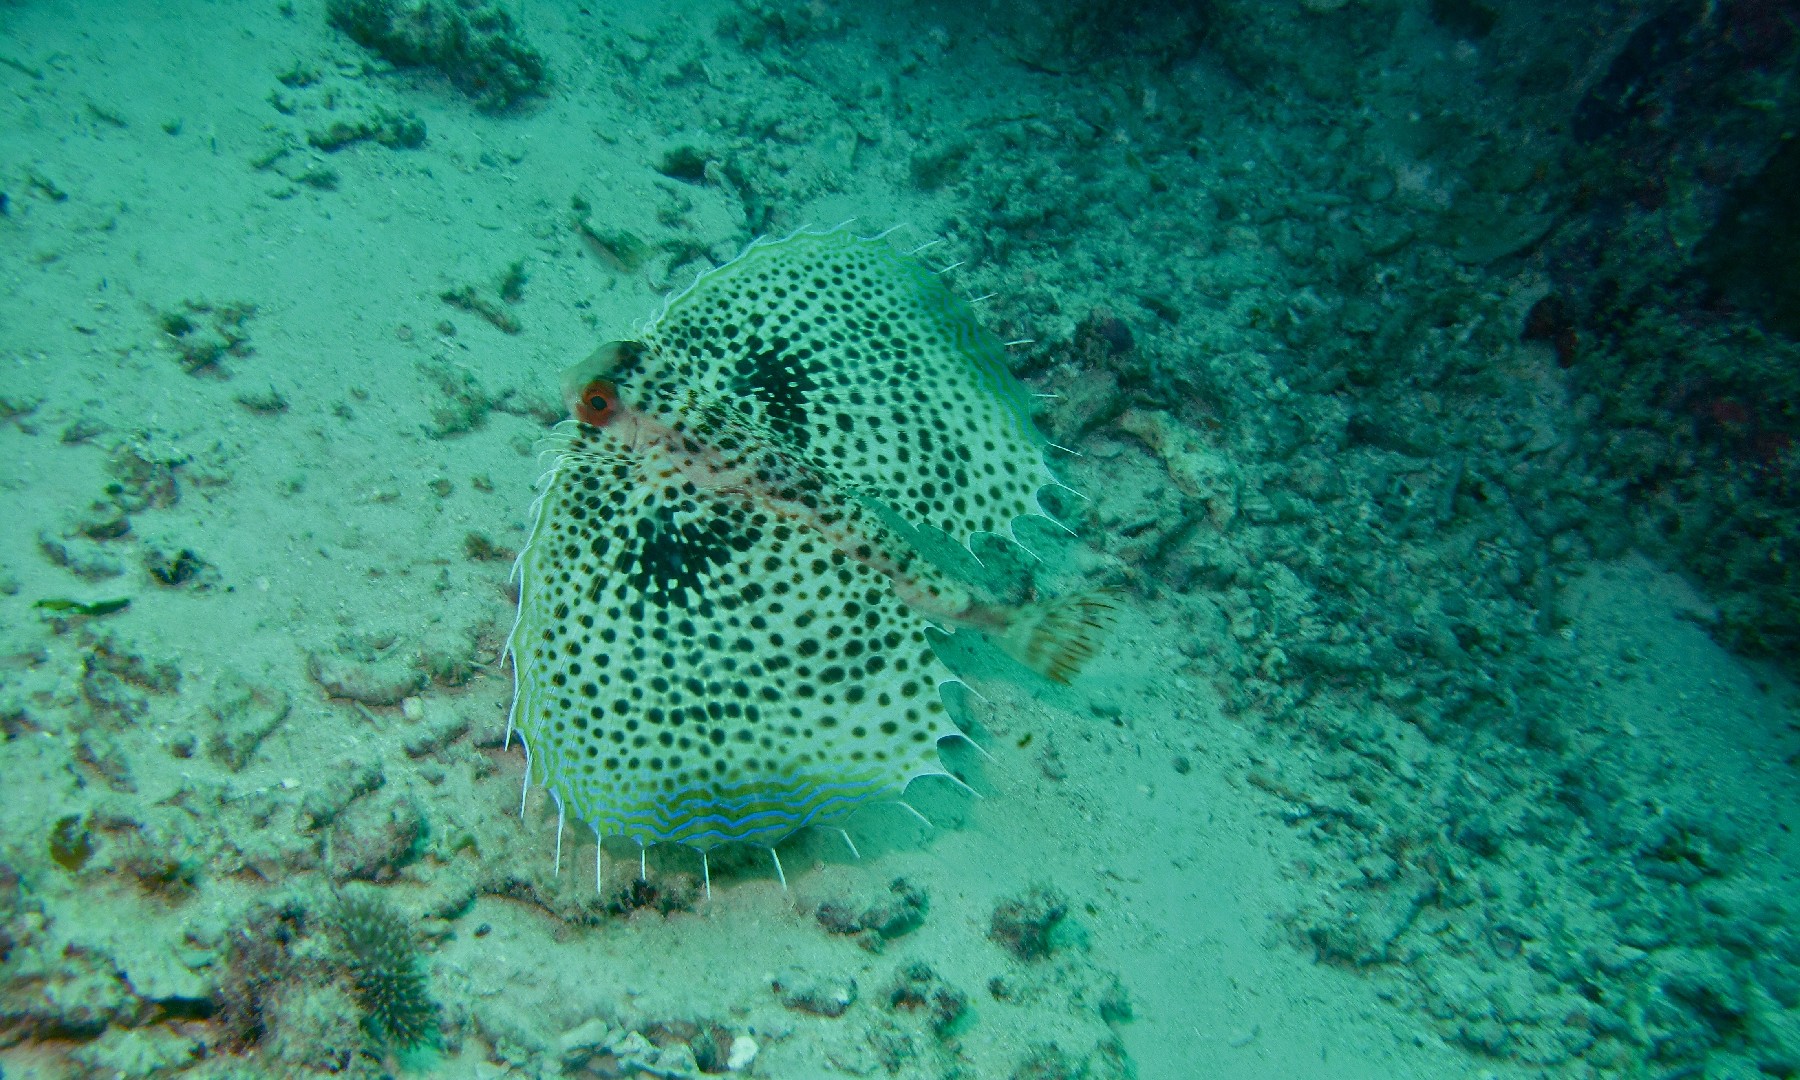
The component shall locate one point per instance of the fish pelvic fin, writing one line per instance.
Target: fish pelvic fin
(1056, 637)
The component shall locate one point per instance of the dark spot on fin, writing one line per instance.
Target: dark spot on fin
(782, 385)
(668, 563)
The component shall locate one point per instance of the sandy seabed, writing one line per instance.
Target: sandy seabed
(283, 394)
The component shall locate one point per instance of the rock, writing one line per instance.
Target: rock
(84, 558)
(128, 1053)
(443, 726)
(373, 839)
(114, 675)
(158, 973)
(394, 130)
(73, 997)
(917, 988)
(1198, 471)
(448, 657)
(1089, 401)
(308, 1026)
(876, 923)
(118, 657)
(634, 1054)
(1352, 658)
(820, 996)
(102, 753)
(1702, 982)
(477, 47)
(337, 787)
(1397, 429)
(383, 682)
(1362, 928)
(584, 1040)
(243, 715)
(1023, 926)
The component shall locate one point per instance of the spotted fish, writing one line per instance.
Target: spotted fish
(723, 627)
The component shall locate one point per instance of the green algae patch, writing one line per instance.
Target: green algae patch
(62, 606)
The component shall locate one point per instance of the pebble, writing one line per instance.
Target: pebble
(742, 1053)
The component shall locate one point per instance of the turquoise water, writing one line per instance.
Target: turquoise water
(1422, 381)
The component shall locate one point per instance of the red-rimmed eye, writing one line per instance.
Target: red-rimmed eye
(597, 404)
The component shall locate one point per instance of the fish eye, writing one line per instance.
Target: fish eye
(597, 404)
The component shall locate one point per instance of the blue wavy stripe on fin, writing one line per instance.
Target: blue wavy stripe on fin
(705, 817)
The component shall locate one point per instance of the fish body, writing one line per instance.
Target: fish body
(719, 637)
(716, 449)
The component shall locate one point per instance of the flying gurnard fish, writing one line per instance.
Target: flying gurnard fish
(724, 622)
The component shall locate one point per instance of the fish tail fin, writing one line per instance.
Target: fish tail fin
(1056, 637)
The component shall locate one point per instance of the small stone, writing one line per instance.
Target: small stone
(742, 1053)
(583, 1041)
